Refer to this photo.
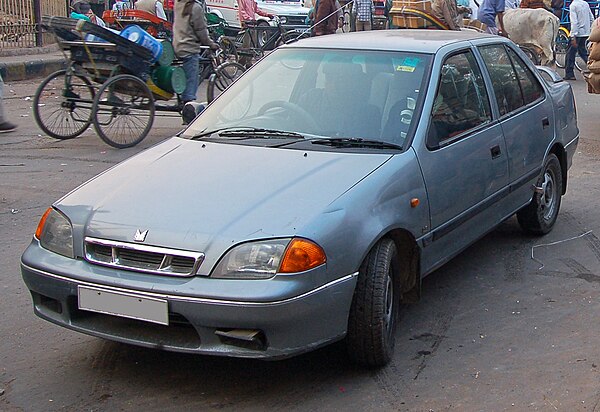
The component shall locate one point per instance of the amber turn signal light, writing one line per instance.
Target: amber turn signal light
(414, 202)
(301, 255)
(40, 226)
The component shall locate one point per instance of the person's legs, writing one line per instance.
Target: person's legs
(570, 63)
(5, 126)
(360, 25)
(581, 49)
(367, 25)
(190, 67)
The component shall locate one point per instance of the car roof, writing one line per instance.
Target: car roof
(419, 40)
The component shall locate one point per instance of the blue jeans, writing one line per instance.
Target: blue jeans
(191, 69)
(572, 53)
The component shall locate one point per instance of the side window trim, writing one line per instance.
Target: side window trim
(479, 64)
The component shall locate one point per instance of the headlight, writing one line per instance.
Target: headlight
(263, 259)
(283, 19)
(55, 233)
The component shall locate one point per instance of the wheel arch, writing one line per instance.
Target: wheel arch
(559, 151)
(409, 258)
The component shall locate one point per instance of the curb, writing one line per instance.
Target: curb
(31, 69)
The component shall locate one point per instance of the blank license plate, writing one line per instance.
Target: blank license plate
(123, 304)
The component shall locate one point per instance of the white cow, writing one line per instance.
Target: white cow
(533, 26)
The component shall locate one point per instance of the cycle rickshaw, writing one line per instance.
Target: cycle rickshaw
(113, 83)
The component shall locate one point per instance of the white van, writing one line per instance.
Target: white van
(292, 13)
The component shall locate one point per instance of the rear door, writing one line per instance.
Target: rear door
(526, 116)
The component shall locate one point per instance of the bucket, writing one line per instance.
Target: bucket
(169, 78)
(138, 35)
(168, 53)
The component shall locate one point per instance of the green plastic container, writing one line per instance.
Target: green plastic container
(168, 53)
(169, 78)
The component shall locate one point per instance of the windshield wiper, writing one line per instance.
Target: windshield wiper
(249, 132)
(356, 142)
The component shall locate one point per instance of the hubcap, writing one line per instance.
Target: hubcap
(548, 197)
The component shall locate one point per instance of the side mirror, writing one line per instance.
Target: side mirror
(191, 110)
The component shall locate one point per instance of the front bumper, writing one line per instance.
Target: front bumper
(286, 326)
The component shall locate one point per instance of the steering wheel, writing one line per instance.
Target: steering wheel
(292, 109)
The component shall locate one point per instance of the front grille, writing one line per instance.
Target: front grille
(142, 258)
(295, 21)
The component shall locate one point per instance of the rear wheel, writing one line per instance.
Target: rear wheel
(123, 111)
(62, 105)
(539, 216)
(374, 311)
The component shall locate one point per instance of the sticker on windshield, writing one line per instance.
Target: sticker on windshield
(408, 64)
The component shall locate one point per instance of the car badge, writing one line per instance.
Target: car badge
(140, 236)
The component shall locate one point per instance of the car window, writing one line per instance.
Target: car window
(531, 89)
(461, 101)
(504, 79)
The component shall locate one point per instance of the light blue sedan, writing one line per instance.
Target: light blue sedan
(309, 200)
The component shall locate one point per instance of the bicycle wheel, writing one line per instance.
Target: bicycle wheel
(123, 111)
(223, 76)
(561, 45)
(62, 105)
(227, 52)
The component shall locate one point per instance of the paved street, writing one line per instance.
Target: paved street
(494, 331)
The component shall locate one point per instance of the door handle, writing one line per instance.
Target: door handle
(496, 152)
(545, 122)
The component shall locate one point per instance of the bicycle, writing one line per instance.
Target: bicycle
(256, 39)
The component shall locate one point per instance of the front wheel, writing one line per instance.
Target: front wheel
(372, 322)
(539, 216)
(62, 105)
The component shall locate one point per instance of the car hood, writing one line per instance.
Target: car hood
(207, 196)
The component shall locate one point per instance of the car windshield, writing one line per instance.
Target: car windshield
(322, 93)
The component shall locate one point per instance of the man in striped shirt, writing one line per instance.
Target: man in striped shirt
(364, 12)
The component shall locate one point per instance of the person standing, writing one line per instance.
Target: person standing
(534, 4)
(153, 7)
(581, 18)
(247, 11)
(487, 14)
(190, 33)
(326, 17)
(365, 9)
(5, 125)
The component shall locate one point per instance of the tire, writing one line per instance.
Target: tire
(223, 76)
(262, 35)
(539, 216)
(560, 48)
(374, 311)
(62, 105)
(123, 111)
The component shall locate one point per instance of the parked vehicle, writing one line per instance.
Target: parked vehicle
(291, 13)
(309, 199)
